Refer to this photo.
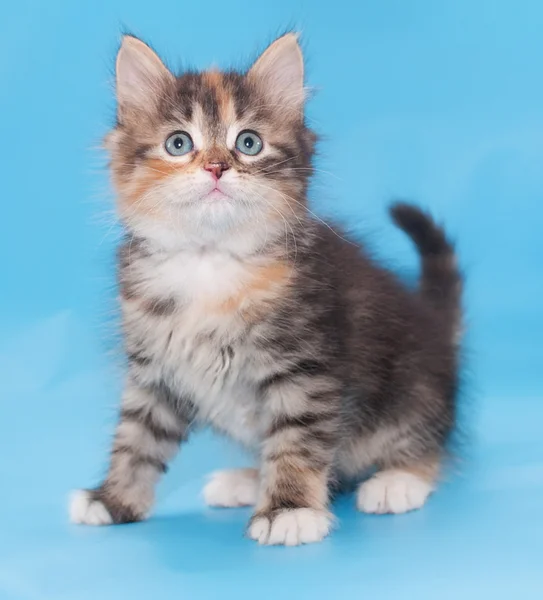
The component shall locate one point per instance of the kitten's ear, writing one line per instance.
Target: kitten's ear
(279, 72)
(140, 74)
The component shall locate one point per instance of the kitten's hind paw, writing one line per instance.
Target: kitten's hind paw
(393, 491)
(238, 487)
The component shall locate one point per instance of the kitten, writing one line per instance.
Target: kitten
(242, 312)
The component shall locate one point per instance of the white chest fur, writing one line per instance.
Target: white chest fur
(196, 275)
(199, 347)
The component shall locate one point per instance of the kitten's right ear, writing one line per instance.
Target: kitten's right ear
(140, 74)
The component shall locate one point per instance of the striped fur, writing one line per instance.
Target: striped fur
(150, 428)
(242, 312)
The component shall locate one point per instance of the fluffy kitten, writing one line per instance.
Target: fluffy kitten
(242, 312)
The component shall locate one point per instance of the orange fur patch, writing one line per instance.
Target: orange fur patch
(215, 80)
(157, 169)
(154, 171)
(264, 285)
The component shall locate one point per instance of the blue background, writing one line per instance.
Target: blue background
(437, 101)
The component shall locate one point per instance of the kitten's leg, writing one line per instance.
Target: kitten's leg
(147, 437)
(297, 455)
(238, 487)
(398, 489)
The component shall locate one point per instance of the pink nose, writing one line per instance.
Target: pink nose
(216, 168)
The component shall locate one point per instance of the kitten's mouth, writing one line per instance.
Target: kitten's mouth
(217, 194)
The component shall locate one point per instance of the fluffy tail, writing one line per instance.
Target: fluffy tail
(441, 281)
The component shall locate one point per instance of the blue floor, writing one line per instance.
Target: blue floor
(441, 102)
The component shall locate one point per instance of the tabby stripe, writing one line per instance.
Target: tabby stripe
(289, 153)
(293, 497)
(270, 166)
(160, 307)
(141, 151)
(138, 358)
(145, 418)
(210, 104)
(181, 404)
(118, 512)
(323, 438)
(306, 420)
(319, 396)
(313, 462)
(239, 93)
(302, 367)
(303, 453)
(141, 459)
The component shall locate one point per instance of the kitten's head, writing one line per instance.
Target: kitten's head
(201, 156)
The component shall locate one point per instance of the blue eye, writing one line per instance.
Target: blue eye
(179, 143)
(248, 142)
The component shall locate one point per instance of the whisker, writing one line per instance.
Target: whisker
(286, 222)
(274, 165)
(314, 215)
(310, 169)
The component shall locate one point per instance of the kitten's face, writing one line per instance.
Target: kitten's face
(212, 154)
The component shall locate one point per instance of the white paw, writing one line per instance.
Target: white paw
(84, 509)
(291, 527)
(238, 487)
(393, 491)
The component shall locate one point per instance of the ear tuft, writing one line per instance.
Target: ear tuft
(279, 72)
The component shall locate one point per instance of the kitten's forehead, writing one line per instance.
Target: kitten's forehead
(219, 97)
(214, 100)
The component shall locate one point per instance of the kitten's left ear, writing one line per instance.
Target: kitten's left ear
(140, 75)
(279, 72)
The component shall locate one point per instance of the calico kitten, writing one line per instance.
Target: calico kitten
(243, 312)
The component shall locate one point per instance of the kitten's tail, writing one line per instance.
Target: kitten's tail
(441, 280)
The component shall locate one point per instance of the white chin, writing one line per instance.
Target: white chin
(216, 196)
(218, 211)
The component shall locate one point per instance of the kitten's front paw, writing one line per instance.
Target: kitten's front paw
(291, 527)
(238, 487)
(393, 491)
(86, 509)
(94, 507)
